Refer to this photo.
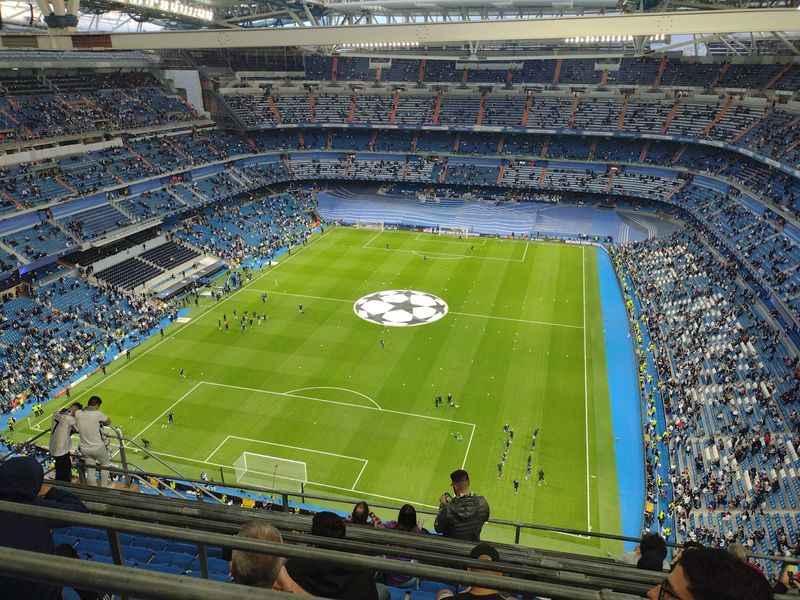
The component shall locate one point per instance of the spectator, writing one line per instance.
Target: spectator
(21, 481)
(253, 569)
(461, 517)
(711, 574)
(485, 552)
(650, 554)
(89, 423)
(328, 580)
(361, 515)
(60, 444)
(406, 521)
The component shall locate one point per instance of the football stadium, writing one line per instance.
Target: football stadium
(347, 299)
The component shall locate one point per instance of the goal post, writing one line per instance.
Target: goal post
(461, 232)
(374, 225)
(270, 471)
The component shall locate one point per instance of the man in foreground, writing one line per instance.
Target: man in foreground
(485, 552)
(329, 580)
(711, 574)
(89, 423)
(60, 440)
(461, 517)
(250, 568)
(21, 481)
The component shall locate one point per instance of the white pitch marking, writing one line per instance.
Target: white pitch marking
(462, 314)
(189, 324)
(469, 445)
(341, 389)
(221, 444)
(166, 410)
(314, 483)
(360, 473)
(336, 402)
(586, 395)
(303, 448)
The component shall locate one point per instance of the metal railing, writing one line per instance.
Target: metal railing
(127, 581)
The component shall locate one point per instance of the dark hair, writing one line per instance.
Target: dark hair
(714, 574)
(651, 561)
(360, 513)
(77, 405)
(407, 518)
(459, 476)
(95, 401)
(484, 549)
(652, 543)
(328, 524)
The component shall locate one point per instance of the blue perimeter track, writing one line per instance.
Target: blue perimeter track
(623, 391)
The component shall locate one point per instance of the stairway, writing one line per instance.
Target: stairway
(526, 112)
(721, 74)
(351, 112)
(621, 121)
(481, 111)
(276, 113)
(662, 66)
(575, 101)
(772, 82)
(557, 73)
(719, 116)
(437, 109)
(393, 110)
(670, 116)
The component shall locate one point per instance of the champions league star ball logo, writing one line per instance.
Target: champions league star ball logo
(400, 308)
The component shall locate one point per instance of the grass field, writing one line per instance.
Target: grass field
(522, 344)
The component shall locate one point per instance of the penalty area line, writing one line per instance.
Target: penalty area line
(312, 483)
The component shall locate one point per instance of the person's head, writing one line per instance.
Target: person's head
(484, 551)
(459, 479)
(94, 402)
(328, 524)
(738, 551)
(652, 552)
(407, 518)
(250, 568)
(360, 513)
(20, 479)
(74, 407)
(711, 574)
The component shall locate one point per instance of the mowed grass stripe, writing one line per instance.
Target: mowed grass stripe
(501, 371)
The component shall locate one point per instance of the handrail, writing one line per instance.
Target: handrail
(285, 495)
(101, 577)
(26, 443)
(115, 525)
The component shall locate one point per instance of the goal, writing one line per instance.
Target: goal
(461, 232)
(376, 225)
(271, 472)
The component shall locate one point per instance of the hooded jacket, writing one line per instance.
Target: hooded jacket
(463, 517)
(333, 581)
(20, 481)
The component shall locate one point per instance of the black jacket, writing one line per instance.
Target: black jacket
(20, 481)
(333, 581)
(463, 517)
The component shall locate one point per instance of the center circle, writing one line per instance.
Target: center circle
(400, 308)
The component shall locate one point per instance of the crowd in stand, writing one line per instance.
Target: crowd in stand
(722, 456)
(66, 326)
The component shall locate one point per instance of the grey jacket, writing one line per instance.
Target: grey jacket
(463, 517)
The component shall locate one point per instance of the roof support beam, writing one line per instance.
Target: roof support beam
(674, 23)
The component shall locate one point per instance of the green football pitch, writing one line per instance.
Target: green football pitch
(522, 344)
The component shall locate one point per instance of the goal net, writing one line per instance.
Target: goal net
(461, 232)
(377, 225)
(270, 471)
